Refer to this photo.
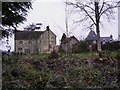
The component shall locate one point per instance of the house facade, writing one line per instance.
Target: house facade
(35, 41)
(92, 38)
(68, 44)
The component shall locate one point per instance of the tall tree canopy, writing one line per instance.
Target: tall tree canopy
(13, 13)
(93, 12)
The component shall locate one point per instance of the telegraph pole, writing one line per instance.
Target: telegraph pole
(66, 23)
(66, 18)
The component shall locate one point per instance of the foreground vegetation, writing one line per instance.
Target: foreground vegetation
(84, 70)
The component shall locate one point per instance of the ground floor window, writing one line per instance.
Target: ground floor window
(27, 50)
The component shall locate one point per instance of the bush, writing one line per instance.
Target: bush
(111, 46)
(53, 55)
(82, 47)
(66, 72)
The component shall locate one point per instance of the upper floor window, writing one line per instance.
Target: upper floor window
(19, 49)
(30, 42)
(104, 41)
(110, 40)
(53, 37)
(20, 42)
(52, 41)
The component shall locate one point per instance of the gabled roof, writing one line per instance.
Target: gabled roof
(50, 31)
(106, 39)
(92, 36)
(66, 40)
(73, 37)
(25, 35)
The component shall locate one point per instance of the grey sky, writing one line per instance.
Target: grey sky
(52, 13)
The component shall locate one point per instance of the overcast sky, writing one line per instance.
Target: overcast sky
(52, 13)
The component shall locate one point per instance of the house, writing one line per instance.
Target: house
(106, 39)
(35, 41)
(92, 38)
(68, 44)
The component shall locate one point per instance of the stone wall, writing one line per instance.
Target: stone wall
(26, 46)
(47, 42)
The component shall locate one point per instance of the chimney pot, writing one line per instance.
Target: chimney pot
(47, 27)
(111, 36)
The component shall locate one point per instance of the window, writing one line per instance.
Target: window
(94, 42)
(19, 49)
(30, 42)
(50, 46)
(20, 42)
(53, 38)
(110, 40)
(104, 40)
(52, 41)
(27, 50)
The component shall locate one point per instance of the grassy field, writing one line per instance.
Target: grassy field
(66, 71)
(81, 55)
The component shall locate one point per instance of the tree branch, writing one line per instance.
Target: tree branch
(112, 7)
(102, 6)
(82, 8)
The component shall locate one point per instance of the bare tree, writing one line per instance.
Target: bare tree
(93, 12)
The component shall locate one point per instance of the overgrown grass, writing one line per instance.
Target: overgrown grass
(71, 71)
(82, 55)
(95, 54)
(114, 54)
(85, 55)
(40, 56)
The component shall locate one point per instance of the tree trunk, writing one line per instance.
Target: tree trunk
(97, 26)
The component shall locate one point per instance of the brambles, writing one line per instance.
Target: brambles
(62, 72)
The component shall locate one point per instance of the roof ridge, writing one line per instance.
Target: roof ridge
(26, 35)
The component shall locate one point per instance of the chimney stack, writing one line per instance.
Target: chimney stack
(111, 36)
(47, 27)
